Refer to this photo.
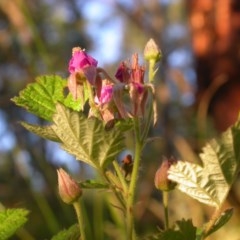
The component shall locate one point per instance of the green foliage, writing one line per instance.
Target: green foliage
(10, 221)
(186, 229)
(71, 233)
(41, 96)
(211, 182)
(93, 184)
(86, 138)
(183, 230)
(97, 143)
(42, 131)
(222, 220)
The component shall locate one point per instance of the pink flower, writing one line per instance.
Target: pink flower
(138, 95)
(139, 87)
(122, 73)
(134, 73)
(133, 77)
(104, 101)
(82, 67)
(105, 94)
(137, 71)
(80, 59)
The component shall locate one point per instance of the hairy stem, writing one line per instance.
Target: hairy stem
(132, 187)
(151, 72)
(113, 188)
(120, 176)
(77, 206)
(165, 206)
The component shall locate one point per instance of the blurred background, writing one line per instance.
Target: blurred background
(198, 91)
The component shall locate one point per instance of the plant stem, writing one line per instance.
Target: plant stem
(131, 191)
(118, 195)
(151, 72)
(165, 206)
(78, 209)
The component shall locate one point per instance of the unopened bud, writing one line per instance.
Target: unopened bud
(127, 165)
(152, 51)
(161, 177)
(68, 188)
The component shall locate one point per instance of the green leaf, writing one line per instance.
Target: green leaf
(41, 96)
(171, 234)
(86, 138)
(211, 182)
(183, 230)
(42, 131)
(89, 184)
(10, 221)
(194, 181)
(125, 125)
(187, 229)
(71, 233)
(222, 220)
(78, 104)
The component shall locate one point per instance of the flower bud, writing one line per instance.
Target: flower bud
(152, 51)
(161, 177)
(127, 165)
(68, 188)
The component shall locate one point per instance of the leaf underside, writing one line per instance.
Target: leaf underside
(86, 138)
(211, 182)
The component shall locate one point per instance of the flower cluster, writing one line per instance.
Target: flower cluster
(108, 93)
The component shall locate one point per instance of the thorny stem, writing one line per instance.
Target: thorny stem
(78, 210)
